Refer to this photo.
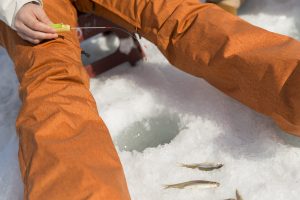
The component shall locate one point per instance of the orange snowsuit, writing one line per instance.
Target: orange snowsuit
(65, 149)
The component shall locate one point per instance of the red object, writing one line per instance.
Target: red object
(114, 59)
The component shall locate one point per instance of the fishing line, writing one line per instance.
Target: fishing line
(104, 27)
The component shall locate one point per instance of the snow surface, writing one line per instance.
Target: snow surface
(160, 117)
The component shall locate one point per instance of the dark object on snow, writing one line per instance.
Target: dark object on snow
(103, 61)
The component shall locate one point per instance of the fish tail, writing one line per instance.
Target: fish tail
(166, 186)
(182, 165)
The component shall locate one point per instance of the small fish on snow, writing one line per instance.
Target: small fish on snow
(203, 166)
(194, 183)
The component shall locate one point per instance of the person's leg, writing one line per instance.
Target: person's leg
(259, 68)
(65, 149)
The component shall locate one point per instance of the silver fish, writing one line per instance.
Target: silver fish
(238, 196)
(203, 166)
(200, 183)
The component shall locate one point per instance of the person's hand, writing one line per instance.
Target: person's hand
(32, 24)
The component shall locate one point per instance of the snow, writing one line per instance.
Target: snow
(160, 117)
(10, 180)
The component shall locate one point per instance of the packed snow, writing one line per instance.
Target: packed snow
(160, 117)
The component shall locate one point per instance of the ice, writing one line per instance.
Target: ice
(160, 117)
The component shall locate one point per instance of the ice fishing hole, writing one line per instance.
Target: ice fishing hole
(150, 132)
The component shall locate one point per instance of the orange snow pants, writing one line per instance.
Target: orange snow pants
(65, 149)
(259, 68)
(66, 152)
